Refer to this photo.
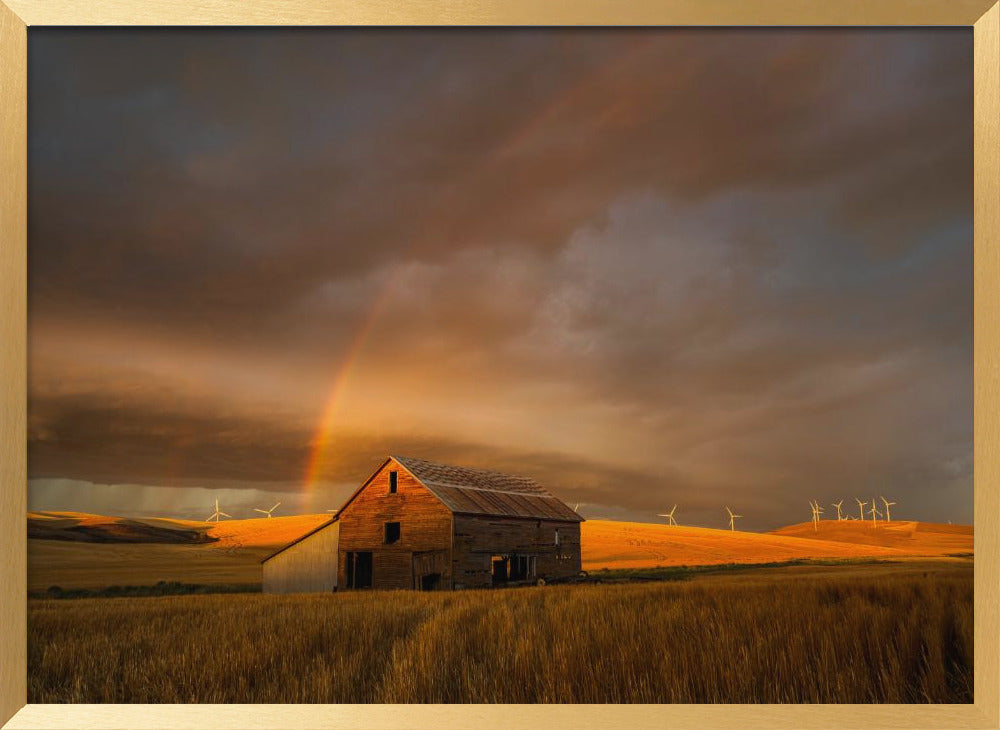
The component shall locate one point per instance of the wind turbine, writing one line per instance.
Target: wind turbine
(888, 504)
(217, 514)
(670, 516)
(838, 505)
(267, 511)
(732, 519)
(817, 511)
(861, 508)
(874, 513)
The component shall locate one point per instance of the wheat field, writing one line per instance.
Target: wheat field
(858, 634)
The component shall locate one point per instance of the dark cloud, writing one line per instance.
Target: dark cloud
(79, 439)
(121, 442)
(224, 162)
(709, 263)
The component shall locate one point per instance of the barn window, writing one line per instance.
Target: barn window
(522, 567)
(391, 532)
(393, 482)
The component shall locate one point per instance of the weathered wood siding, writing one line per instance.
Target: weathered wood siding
(308, 566)
(425, 527)
(478, 538)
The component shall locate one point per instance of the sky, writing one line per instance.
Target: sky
(645, 267)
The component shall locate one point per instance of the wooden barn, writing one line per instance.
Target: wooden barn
(428, 526)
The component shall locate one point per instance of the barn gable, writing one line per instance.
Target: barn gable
(394, 531)
(379, 480)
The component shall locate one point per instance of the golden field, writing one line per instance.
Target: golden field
(239, 545)
(639, 545)
(912, 538)
(233, 558)
(899, 632)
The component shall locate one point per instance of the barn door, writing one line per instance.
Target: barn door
(359, 570)
(363, 570)
(428, 570)
(500, 574)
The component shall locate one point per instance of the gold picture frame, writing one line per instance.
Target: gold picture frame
(983, 16)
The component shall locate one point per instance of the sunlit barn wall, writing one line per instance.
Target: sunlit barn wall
(307, 566)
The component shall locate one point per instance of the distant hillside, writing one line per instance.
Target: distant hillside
(264, 533)
(81, 527)
(915, 538)
(65, 548)
(75, 550)
(608, 544)
(253, 533)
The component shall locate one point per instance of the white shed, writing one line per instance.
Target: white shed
(307, 565)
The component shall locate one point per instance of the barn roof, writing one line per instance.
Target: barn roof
(480, 491)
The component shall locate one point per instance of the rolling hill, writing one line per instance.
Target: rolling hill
(77, 550)
(81, 527)
(916, 538)
(228, 534)
(639, 545)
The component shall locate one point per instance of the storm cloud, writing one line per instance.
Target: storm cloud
(645, 266)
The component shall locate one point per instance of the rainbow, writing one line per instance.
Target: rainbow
(323, 435)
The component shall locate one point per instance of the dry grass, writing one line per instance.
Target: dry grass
(875, 634)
